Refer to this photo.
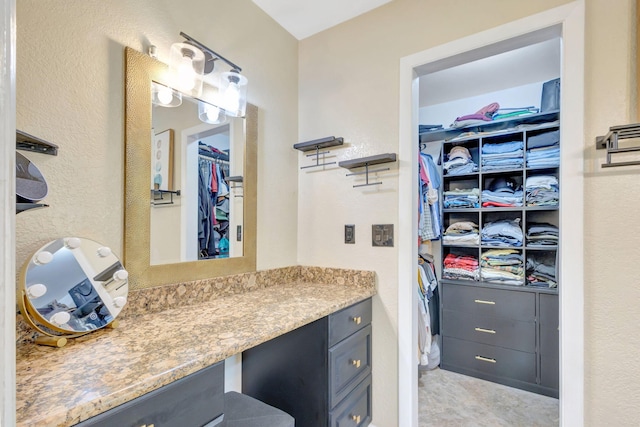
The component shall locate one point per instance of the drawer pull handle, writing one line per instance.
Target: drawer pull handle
(357, 320)
(356, 363)
(356, 418)
(486, 331)
(485, 359)
(481, 301)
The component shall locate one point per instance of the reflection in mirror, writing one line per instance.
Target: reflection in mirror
(141, 71)
(72, 286)
(198, 159)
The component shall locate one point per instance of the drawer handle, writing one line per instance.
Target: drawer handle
(357, 320)
(356, 363)
(486, 359)
(356, 418)
(481, 301)
(486, 331)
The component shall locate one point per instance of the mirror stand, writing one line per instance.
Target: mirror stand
(69, 288)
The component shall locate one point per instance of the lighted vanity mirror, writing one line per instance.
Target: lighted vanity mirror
(145, 235)
(205, 163)
(71, 286)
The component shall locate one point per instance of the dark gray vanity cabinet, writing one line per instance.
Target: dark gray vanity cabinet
(195, 400)
(506, 336)
(319, 373)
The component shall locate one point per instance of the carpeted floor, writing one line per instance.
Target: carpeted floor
(450, 399)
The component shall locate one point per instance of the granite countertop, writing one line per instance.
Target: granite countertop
(96, 372)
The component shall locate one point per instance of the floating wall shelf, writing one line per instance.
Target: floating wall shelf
(609, 142)
(366, 162)
(317, 144)
(237, 180)
(27, 142)
(158, 197)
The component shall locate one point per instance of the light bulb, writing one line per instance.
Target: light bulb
(72, 242)
(231, 99)
(212, 113)
(165, 95)
(36, 291)
(121, 275)
(43, 258)
(104, 251)
(186, 74)
(119, 302)
(60, 318)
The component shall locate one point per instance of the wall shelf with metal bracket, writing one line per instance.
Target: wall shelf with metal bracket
(317, 145)
(158, 197)
(27, 142)
(366, 162)
(610, 142)
(237, 180)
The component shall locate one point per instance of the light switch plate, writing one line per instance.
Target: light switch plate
(349, 233)
(382, 235)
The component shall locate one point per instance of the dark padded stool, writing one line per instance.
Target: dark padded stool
(241, 410)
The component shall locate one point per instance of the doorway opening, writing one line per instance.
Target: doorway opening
(567, 24)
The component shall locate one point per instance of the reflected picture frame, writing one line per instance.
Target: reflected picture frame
(162, 160)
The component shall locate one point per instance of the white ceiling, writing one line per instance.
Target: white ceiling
(304, 18)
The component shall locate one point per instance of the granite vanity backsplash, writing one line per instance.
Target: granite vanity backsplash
(157, 299)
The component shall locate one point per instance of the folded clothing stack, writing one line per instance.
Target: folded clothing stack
(541, 272)
(502, 155)
(462, 198)
(504, 232)
(502, 192)
(542, 234)
(504, 266)
(543, 150)
(460, 267)
(542, 190)
(462, 233)
(459, 162)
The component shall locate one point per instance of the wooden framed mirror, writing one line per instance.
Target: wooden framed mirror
(140, 71)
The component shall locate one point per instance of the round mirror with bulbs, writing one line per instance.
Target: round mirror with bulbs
(70, 287)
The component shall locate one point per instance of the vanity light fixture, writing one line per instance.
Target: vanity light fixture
(232, 85)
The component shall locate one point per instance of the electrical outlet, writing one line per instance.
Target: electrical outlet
(382, 235)
(349, 233)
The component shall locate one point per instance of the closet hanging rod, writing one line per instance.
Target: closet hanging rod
(219, 158)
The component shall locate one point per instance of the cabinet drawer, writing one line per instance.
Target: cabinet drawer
(349, 363)
(355, 410)
(519, 305)
(194, 400)
(500, 331)
(549, 322)
(498, 361)
(345, 322)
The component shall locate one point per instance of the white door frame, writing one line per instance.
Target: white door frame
(8, 214)
(570, 21)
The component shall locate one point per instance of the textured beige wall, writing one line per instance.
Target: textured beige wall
(612, 231)
(349, 87)
(70, 90)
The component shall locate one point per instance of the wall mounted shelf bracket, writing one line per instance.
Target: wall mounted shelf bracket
(366, 162)
(317, 144)
(610, 141)
(158, 197)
